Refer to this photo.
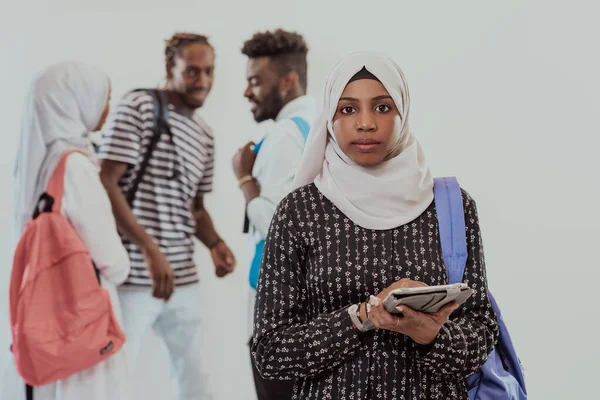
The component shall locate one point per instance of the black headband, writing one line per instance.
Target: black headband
(363, 74)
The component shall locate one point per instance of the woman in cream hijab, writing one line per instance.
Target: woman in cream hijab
(360, 223)
(64, 104)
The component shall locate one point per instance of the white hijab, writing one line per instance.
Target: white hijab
(63, 105)
(382, 197)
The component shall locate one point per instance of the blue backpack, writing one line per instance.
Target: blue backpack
(260, 246)
(501, 377)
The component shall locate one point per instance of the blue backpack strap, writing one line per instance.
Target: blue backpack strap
(257, 146)
(451, 221)
(501, 377)
(255, 266)
(302, 125)
(260, 246)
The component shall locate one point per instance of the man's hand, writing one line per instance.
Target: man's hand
(243, 161)
(161, 272)
(223, 259)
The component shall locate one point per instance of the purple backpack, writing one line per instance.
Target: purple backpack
(501, 377)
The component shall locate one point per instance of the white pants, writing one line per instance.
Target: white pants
(177, 322)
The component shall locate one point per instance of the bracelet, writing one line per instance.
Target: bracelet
(214, 243)
(245, 180)
(353, 311)
(367, 324)
(355, 321)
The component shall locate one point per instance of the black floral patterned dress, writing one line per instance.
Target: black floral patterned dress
(317, 263)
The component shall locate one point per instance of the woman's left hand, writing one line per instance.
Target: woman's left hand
(421, 327)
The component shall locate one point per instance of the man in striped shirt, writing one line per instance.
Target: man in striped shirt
(167, 211)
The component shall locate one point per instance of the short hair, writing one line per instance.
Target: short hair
(287, 49)
(174, 46)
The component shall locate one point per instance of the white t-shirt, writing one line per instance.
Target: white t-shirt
(274, 169)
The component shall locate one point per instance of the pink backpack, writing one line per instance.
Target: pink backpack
(61, 319)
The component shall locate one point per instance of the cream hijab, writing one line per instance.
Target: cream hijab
(382, 197)
(63, 105)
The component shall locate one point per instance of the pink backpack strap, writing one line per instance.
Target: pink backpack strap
(56, 189)
(56, 186)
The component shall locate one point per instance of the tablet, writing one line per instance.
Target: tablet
(427, 299)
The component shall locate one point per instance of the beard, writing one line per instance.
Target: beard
(269, 106)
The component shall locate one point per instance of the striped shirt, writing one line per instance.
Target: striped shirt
(179, 170)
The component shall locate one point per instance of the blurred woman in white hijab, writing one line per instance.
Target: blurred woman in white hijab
(362, 222)
(64, 104)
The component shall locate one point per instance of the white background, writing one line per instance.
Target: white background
(504, 94)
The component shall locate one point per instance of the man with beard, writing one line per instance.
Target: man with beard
(277, 82)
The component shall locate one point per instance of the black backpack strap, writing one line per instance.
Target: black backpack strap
(28, 392)
(97, 272)
(46, 201)
(159, 126)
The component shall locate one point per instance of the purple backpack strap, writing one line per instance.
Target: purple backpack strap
(451, 221)
(501, 377)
